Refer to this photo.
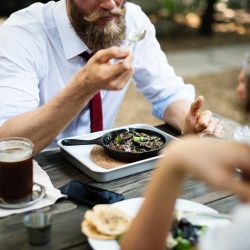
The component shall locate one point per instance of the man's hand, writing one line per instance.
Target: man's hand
(99, 73)
(196, 121)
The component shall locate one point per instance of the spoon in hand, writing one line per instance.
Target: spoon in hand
(136, 35)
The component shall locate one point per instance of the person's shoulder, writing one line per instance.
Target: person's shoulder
(133, 8)
(25, 31)
(33, 19)
(135, 16)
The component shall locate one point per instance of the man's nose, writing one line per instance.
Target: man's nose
(108, 4)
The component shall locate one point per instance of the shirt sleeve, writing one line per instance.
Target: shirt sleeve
(19, 72)
(154, 77)
(230, 236)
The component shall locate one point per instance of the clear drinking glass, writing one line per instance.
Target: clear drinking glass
(226, 136)
(239, 134)
(242, 134)
(38, 227)
(16, 169)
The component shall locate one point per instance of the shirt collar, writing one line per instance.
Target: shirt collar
(72, 44)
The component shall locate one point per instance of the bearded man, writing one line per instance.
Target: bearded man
(48, 85)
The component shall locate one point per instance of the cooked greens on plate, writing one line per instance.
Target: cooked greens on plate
(135, 142)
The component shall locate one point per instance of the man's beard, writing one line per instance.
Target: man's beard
(94, 34)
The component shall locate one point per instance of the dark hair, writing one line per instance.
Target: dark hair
(246, 71)
(247, 82)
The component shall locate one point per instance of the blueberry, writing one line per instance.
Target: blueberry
(192, 231)
(185, 232)
(184, 222)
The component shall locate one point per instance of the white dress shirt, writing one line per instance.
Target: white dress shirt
(233, 236)
(39, 54)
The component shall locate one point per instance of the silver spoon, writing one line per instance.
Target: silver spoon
(189, 214)
(136, 35)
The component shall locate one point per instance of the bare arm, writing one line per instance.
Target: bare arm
(45, 123)
(150, 227)
(212, 162)
(176, 113)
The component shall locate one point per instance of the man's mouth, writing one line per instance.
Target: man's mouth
(107, 19)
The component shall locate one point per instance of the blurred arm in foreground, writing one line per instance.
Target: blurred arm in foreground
(210, 161)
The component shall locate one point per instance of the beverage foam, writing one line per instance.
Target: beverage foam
(10, 154)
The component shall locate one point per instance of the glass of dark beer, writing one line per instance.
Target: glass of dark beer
(16, 169)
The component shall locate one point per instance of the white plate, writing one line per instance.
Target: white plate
(80, 157)
(132, 206)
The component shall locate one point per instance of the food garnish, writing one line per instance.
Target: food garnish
(106, 222)
(135, 142)
(184, 235)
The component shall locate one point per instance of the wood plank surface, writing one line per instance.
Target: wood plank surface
(59, 170)
(66, 233)
(225, 205)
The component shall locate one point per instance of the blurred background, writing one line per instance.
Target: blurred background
(204, 40)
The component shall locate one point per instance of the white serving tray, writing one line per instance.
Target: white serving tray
(80, 157)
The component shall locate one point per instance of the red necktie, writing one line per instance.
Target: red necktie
(95, 104)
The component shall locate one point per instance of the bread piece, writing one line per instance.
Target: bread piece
(108, 219)
(90, 231)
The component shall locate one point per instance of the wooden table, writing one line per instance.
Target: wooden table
(66, 232)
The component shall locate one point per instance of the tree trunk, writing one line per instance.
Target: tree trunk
(207, 19)
(248, 6)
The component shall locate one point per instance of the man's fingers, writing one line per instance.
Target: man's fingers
(124, 65)
(124, 78)
(118, 72)
(212, 126)
(121, 81)
(196, 106)
(204, 120)
(104, 56)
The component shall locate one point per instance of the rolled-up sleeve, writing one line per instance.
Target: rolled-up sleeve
(19, 75)
(154, 77)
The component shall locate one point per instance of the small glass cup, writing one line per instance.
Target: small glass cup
(38, 227)
(16, 169)
(240, 134)
(225, 136)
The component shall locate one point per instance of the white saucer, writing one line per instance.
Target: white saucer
(38, 193)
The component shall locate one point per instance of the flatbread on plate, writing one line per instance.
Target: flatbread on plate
(90, 231)
(108, 219)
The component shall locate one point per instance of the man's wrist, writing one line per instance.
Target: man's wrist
(84, 85)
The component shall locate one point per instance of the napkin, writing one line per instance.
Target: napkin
(52, 194)
(231, 236)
